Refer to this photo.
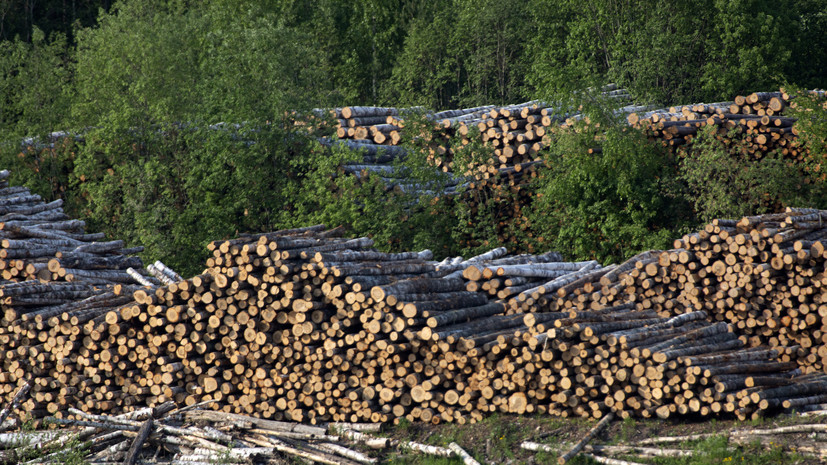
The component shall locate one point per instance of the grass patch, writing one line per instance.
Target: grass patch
(423, 460)
(496, 440)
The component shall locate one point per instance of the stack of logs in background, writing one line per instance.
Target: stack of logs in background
(308, 325)
(516, 137)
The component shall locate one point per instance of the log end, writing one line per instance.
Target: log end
(377, 294)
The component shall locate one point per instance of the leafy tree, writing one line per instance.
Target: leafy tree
(35, 99)
(489, 36)
(462, 54)
(33, 78)
(19, 18)
(139, 66)
(675, 52)
(751, 46)
(359, 41)
(810, 109)
(426, 70)
(404, 212)
(157, 80)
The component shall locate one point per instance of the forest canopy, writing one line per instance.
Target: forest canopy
(147, 82)
(439, 54)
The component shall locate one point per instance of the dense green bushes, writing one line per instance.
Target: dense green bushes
(725, 181)
(611, 204)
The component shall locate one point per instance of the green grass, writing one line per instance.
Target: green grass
(423, 460)
(496, 440)
(717, 450)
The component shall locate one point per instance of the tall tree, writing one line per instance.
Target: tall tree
(751, 46)
(20, 17)
(156, 80)
(34, 81)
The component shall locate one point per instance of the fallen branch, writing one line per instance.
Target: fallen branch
(370, 441)
(608, 461)
(612, 450)
(426, 449)
(582, 443)
(465, 456)
(809, 428)
(138, 443)
(673, 439)
(24, 389)
(345, 452)
(284, 448)
(362, 427)
(293, 435)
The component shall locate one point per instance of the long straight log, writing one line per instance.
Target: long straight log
(462, 454)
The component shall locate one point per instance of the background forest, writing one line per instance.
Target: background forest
(146, 83)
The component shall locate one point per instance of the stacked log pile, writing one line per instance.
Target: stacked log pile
(306, 325)
(766, 273)
(55, 278)
(517, 134)
(758, 117)
(762, 275)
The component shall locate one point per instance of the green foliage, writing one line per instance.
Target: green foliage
(423, 460)
(358, 40)
(611, 204)
(174, 189)
(677, 52)
(425, 72)
(725, 181)
(811, 126)
(152, 62)
(402, 213)
(463, 53)
(627, 429)
(34, 101)
(33, 76)
(652, 49)
(144, 176)
(751, 45)
(43, 168)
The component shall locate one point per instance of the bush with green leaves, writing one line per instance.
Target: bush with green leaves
(610, 204)
(725, 181)
(173, 189)
(810, 109)
(401, 211)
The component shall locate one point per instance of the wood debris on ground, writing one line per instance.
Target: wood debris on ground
(167, 434)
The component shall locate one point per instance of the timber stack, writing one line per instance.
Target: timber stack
(761, 275)
(757, 119)
(306, 325)
(55, 277)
